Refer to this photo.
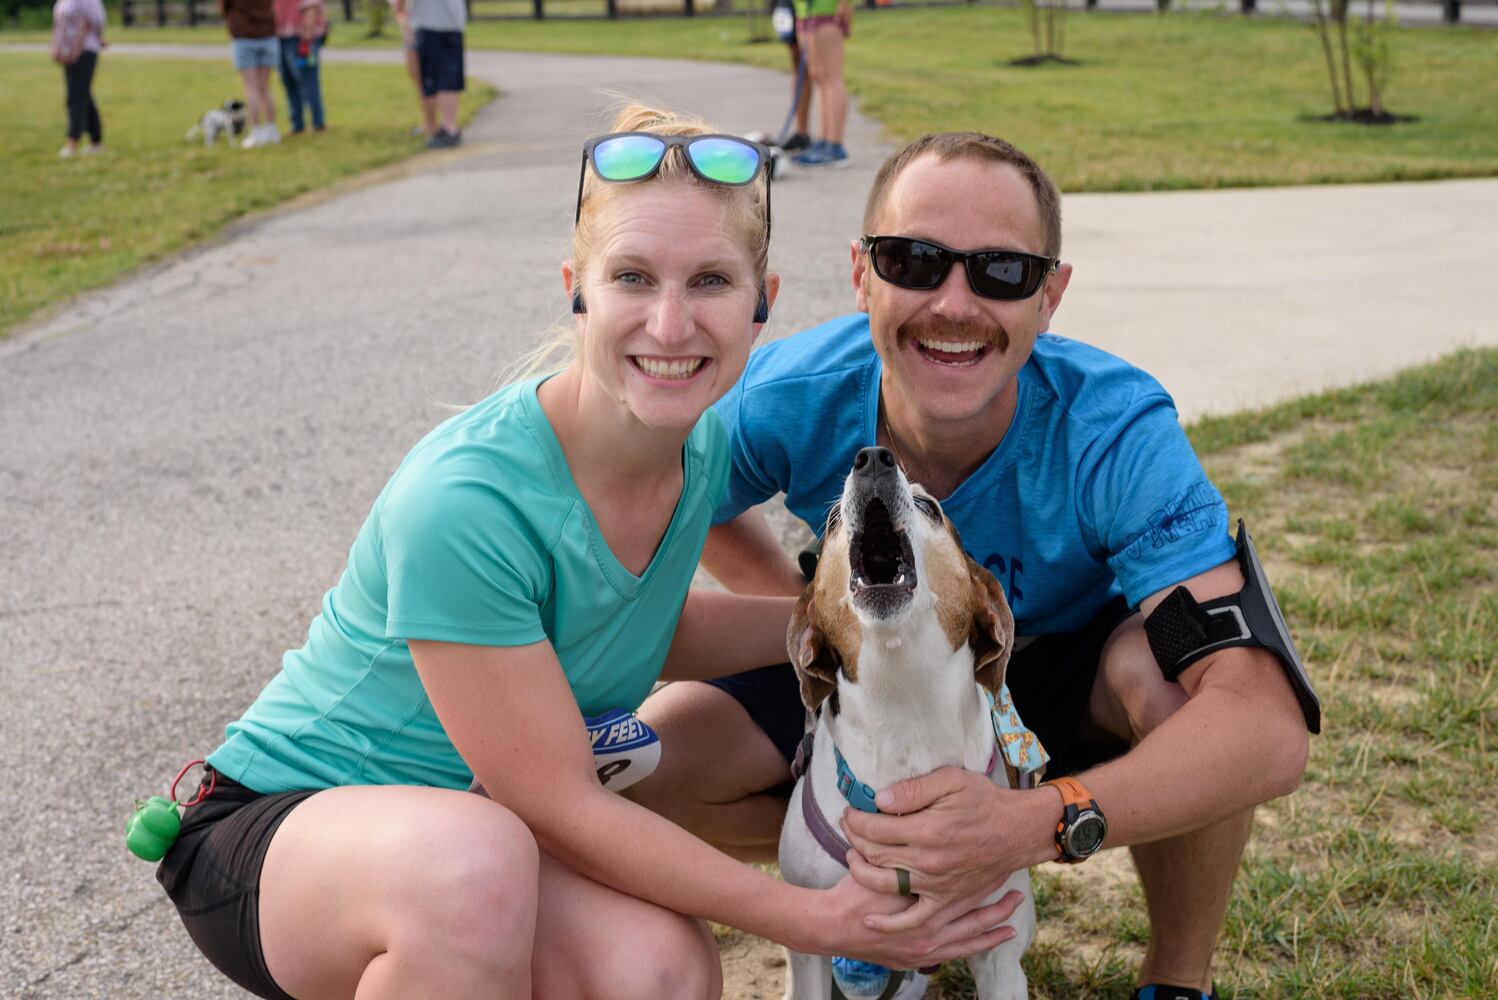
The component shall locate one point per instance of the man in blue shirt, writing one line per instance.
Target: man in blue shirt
(1068, 475)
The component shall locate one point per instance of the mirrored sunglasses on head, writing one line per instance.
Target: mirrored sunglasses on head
(636, 156)
(1005, 275)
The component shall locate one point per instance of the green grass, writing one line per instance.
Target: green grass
(70, 225)
(1180, 101)
(1376, 509)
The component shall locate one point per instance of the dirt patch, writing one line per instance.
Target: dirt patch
(753, 968)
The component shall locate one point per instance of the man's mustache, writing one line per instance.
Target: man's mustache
(928, 328)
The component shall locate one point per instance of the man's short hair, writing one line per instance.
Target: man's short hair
(974, 146)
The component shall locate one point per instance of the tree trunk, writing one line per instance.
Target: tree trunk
(1346, 59)
(1375, 97)
(1323, 31)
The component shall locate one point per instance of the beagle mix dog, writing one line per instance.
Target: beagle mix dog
(900, 643)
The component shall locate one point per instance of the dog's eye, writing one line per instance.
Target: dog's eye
(927, 506)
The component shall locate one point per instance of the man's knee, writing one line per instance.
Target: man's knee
(712, 752)
(1131, 697)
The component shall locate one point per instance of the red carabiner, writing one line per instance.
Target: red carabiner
(203, 793)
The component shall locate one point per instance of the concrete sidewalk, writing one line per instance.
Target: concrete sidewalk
(185, 457)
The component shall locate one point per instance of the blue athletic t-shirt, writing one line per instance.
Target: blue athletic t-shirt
(480, 537)
(1094, 490)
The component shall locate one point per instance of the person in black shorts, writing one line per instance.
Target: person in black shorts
(438, 25)
(1068, 475)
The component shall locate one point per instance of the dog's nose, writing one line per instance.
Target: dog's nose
(874, 463)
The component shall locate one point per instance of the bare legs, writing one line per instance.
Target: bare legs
(824, 61)
(260, 107)
(445, 105)
(373, 892)
(1187, 879)
(725, 802)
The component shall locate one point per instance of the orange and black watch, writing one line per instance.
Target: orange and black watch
(1081, 829)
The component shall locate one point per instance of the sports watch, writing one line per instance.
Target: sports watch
(1080, 831)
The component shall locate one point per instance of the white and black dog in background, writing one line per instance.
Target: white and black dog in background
(226, 120)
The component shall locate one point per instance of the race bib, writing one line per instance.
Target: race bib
(624, 748)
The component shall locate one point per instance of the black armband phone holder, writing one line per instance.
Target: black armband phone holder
(1182, 630)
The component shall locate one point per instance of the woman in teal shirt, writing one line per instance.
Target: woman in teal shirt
(528, 564)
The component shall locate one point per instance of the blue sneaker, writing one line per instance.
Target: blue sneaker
(856, 980)
(836, 155)
(815, 155)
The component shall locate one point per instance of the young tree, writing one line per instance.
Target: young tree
(1367, 46)
(1048, 29)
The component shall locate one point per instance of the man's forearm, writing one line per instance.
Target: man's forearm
(744, 556)
(720, 634)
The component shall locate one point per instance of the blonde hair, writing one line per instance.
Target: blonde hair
(744, 211)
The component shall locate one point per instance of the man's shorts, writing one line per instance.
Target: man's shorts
(440, 57)
(251, 53)
(212, 874)
(1050, 680)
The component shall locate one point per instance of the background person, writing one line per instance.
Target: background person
(439, 28)
(252, 28)
(783, 20)
(77, 40)
(413, 63)
(1067, 474)
(301, 28)
(527, 564)
(823, 26)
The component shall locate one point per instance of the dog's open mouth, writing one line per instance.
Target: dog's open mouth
(883, 567)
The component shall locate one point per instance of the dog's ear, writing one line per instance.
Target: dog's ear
(815, 662)
(992, 632)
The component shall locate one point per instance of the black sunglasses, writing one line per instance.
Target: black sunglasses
(636, 156)
(1006, 275)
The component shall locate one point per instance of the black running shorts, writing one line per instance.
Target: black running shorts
(212, 874)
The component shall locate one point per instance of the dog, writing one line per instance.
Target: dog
(227, 121)
(778, 157)
(900, 643)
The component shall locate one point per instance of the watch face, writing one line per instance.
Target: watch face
(1085, 835)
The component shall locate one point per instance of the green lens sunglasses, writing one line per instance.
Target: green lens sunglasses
(636, 156)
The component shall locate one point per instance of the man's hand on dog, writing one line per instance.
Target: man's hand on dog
(966, 928)
(947, 829)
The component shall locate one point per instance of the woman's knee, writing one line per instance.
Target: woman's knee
(673, 957)
(482, 883)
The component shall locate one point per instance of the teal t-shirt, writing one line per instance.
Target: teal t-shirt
(480, 537)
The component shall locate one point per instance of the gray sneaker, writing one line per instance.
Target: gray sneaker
(444, 139)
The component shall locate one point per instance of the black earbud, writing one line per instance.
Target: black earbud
(577, 303)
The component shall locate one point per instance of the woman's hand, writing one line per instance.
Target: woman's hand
(962, 928)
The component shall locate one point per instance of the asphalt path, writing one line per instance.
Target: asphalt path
(185, 457)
